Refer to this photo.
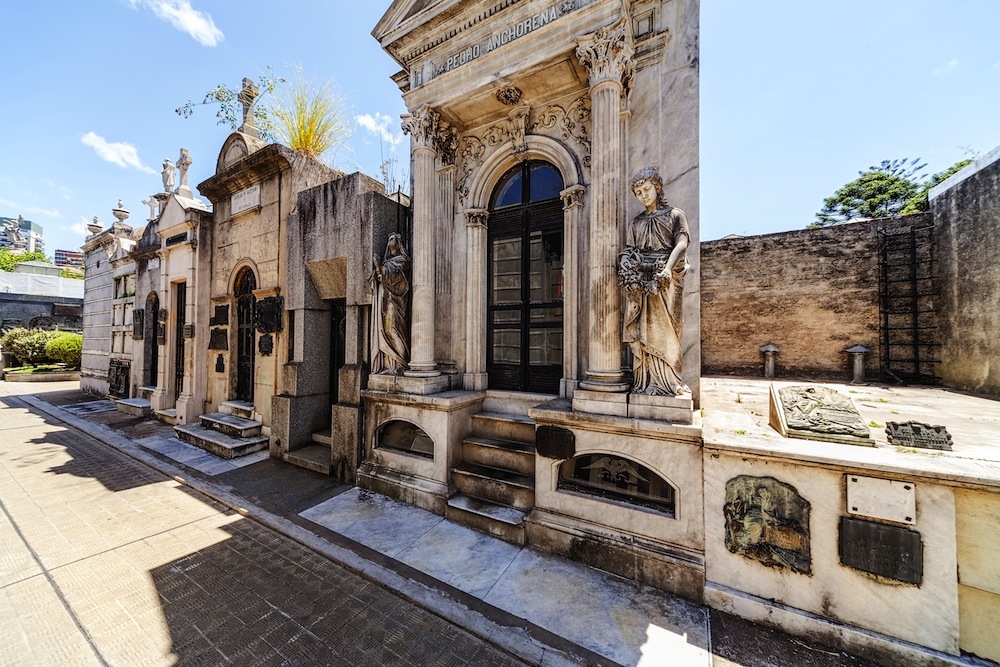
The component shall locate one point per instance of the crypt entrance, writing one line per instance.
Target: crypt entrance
(525, 280)
(246, 305)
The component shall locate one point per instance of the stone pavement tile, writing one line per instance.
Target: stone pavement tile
(461, 557)
(614, 617)
(16, 562)
(378, 522)
(35, 628)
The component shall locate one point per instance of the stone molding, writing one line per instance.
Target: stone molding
(476, 217)
(572, 197)
(607, 55)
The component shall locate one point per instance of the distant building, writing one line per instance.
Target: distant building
(20, 234)
(69, 258)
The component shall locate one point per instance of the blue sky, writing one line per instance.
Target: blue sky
(796, 97)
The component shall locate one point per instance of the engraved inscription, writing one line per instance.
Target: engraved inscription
(244, 200)
(877, 548)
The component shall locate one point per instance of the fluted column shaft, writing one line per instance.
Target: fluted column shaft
(475, 299)
(422, 125)
(607, 55)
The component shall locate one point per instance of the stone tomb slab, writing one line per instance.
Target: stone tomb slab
(816, 412)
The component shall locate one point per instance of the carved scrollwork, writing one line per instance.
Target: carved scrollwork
(447, 142)
(570, 124)
(471, 156)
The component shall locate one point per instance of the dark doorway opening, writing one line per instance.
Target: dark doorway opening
(338, 345)
(179, 339)
(246, 307)
(150, 347)
(525, 282)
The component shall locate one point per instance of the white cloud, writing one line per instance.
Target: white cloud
(63, 191)
(181, 15)
(378, 125)
(30, 210)
(80, 227)
(947, 68)
(120, 153)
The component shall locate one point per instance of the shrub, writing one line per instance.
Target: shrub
(67, 348)
(30, 349)
(10, 341)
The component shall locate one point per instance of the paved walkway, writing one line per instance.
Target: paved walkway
(119, 563)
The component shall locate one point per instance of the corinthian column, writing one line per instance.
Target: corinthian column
(422, 125)
(607, 55)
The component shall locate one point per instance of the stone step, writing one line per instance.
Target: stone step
(167, 416)
(218, 443)
(137, 407)
(513, 402)
(311, 457)
(323, 437)
(147, 391)
(495, 484)
(502, 521)
(504, 426)
(238, 408)
(238, 427)
(507, 454)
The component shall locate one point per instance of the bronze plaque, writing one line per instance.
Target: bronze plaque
(878, 548)
(188, 331)
(269, 314)
(221, 317)
(555, 442)
(218, 339)
(161, 332)
(162, 315)
(917, 434)
(767, 521)
(265, 345)
(138, 322)
(220, 364)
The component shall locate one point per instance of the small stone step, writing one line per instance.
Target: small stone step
(167, 416)
(238, 427)
(137, 407)
(509, 454)
(311, 457)
(239, 408)
(323, 437)
(495, 484)
(502, 521)
(218, 443)
(147, 391)
(504, 426)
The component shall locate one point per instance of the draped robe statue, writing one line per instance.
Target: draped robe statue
(651, 269)
(390, 281)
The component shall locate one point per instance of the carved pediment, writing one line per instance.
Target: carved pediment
(237, 147)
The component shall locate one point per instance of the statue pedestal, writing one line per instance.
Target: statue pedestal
(674, 409)
(405, 384)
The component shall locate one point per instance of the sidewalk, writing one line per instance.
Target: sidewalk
(537, 607)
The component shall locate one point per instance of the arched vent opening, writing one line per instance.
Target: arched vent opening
(618, 479)
(406, 437)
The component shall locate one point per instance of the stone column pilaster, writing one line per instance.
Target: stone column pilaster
(607, 55)
(422, 125)
(572, 198)
(475, 377)
(444, 351)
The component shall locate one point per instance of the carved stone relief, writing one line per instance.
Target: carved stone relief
(767, 521)
(815, 412)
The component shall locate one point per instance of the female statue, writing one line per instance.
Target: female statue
(391, 283)
(651, 269)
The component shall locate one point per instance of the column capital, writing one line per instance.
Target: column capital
(607, 55)
(423, 125)
(572, 197)
(476, 217)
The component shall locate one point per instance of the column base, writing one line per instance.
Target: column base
(608, 384)
(422, 372)
(404, 384)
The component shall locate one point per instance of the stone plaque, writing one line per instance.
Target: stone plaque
(220, 364)
(244, 200)
(767, 521)
(815, 412)
(878, 548)
(218, 339)
(265, 345)
(269, 314)
(138, 320)
(188, 331)
(555, 442)
(917, 434)
(891, 500)
(221, 317)
(177, 238)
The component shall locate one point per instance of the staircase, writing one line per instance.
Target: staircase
(229, 433)
(496, 479)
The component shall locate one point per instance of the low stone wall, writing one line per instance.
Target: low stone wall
(65, 376)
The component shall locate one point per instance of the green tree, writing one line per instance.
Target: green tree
(879, 192)
(920, 202)
(8, 258)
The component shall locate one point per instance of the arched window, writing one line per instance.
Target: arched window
(612, 477)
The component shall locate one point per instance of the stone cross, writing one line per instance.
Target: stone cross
(152, 204)
(246, 97)
(183, 164)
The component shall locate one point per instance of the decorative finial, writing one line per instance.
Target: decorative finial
(94, 227)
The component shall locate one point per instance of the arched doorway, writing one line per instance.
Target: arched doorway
(246, 306)
(525, 275)
(150, 346)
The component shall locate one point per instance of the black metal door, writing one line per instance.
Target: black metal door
(151, 348)
(179, 339)
(246, 306)
(338, 346)
(525, 260)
